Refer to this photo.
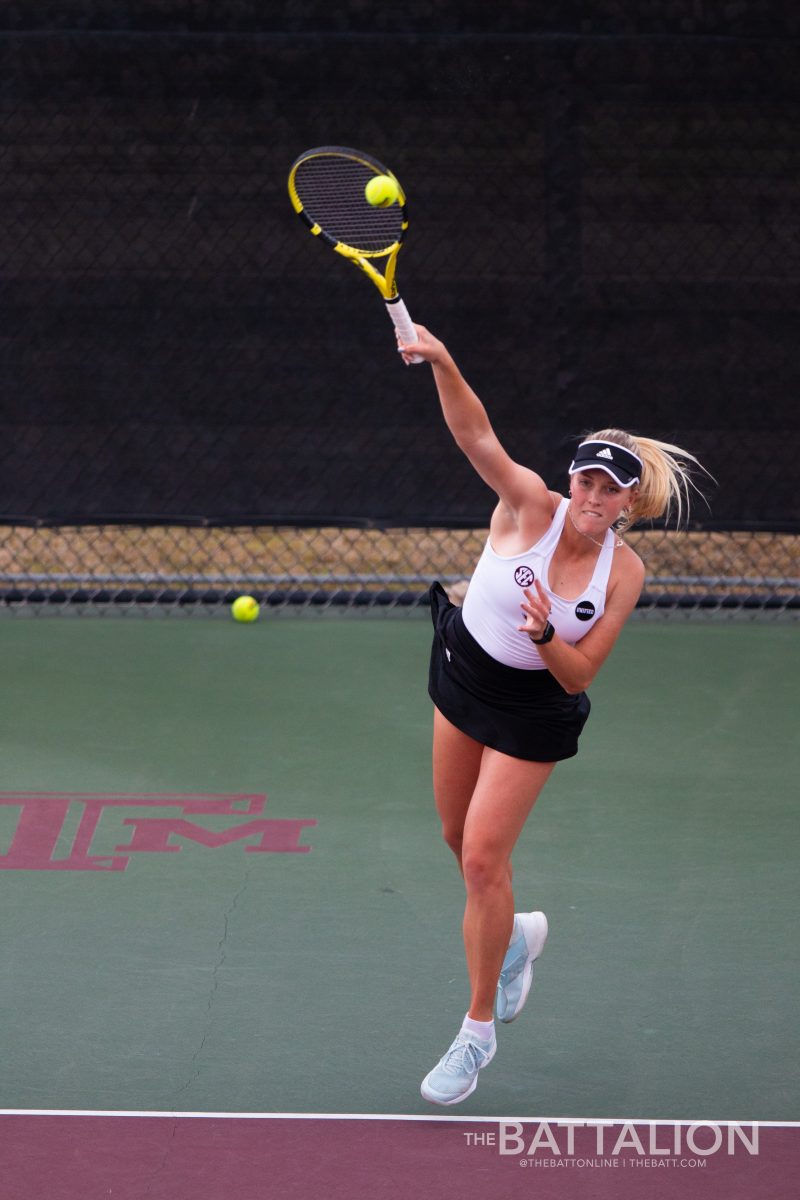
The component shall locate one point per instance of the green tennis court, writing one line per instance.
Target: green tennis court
(174, 943)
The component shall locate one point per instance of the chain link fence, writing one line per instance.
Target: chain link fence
(198, 400)
(170, 569)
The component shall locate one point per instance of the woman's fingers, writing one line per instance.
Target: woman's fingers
(536, 607)
(426, 346)
(538, 602)
(543, 596)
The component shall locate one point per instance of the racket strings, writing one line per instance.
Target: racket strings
(331, 190)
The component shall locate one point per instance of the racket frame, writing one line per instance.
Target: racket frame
(386, 283)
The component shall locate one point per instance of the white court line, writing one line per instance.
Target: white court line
(463, 1120)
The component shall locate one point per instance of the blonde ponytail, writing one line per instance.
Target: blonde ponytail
(666, 483)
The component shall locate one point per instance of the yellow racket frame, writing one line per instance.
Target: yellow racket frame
(385, 283)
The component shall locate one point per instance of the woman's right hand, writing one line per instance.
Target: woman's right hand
(426, 347)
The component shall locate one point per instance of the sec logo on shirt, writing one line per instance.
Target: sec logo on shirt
(524, 576)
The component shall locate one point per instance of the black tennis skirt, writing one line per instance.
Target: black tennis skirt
(526, 714)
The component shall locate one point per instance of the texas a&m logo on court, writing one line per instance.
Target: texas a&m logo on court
(77, 831)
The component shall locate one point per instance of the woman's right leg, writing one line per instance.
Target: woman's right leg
(456, 767)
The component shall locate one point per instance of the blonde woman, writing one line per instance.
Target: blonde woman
(509, 672)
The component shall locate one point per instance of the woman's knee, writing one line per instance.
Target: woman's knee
(484, 868)
(454, 837)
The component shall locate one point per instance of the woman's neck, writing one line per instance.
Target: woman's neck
(578, 539)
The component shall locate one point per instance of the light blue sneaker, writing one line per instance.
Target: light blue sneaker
(455, 1076)
(527, 942)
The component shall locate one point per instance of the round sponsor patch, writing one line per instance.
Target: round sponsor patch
(584, 610)
(524, 576)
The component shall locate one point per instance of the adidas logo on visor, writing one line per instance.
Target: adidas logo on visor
(606, 453)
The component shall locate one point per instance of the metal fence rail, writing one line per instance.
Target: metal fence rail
(202, 569)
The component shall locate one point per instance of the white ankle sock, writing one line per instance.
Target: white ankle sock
(482, 1029)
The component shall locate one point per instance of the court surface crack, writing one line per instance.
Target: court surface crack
(165, 1157)
(227, 916)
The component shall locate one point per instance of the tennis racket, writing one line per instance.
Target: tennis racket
(327, 189)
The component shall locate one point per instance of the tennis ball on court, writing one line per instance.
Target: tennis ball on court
(245, 608)
(381, 191)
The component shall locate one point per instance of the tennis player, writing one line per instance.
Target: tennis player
(509, 672)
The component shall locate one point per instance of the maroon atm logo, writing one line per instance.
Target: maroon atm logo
(56, 831)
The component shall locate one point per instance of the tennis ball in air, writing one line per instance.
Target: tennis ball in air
(244, 608)
(381, 191)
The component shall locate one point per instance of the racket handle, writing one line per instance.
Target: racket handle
(403, 324)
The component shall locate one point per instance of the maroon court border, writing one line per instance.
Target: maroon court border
(70, 1156)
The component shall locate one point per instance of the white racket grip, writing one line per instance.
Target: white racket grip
(403, 324)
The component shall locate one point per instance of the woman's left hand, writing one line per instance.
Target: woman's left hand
(536, 607)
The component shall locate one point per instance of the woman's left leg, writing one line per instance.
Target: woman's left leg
(506, 791)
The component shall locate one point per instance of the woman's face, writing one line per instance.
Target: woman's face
(597, 500)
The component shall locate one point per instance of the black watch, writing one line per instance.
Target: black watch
(547, 636)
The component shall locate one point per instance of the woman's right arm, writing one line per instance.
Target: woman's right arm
(468, 422)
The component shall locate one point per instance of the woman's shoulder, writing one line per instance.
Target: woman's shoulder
(514, 532)
(627, 570)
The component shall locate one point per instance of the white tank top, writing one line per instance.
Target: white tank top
(491, 608)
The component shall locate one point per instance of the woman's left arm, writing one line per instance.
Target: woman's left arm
(576, 666)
